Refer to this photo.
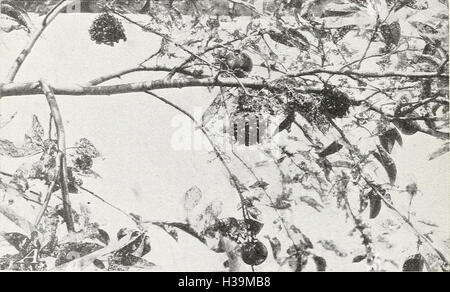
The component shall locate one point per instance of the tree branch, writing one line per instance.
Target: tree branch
(119, 74)
(36, 34)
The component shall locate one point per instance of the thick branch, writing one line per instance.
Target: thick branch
(36, 34)
(61, 136)
(14, 89)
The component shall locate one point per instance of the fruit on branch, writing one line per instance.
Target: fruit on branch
(335, 103)
(238, 62)
(254, 253)
(107, 29)
(391, 33)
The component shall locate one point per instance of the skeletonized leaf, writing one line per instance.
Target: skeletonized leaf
(375, 205)
(86, 147)
(414, 263)
(441, 151)
(331, 149)
(212, 109)
(191, 198)
(8, 148)
(37, 129)
(388, 163)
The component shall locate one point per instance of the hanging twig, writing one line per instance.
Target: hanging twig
(60, 133)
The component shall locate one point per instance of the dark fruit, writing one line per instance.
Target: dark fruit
(415, 263)
(254, 253)
(239, 62)
(334, 103)
(107, 29)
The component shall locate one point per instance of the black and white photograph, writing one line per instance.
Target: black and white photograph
(213, 136)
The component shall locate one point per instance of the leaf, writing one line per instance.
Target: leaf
(331, 246)
(37, 129)
(331, 149)
(359, 258)
(408, 127)
(182, 226)
(321, 263)
(191, 198)
(259, 185)
(375, 204)
(85, 147)
(275, 244)
(212, 110)
(21, 242)
(74, 250)
(8, 148)
(16, 13)
(286, 124)
(388, 163)
(235, 183)
(254, 226)
(23, 223)
(310, 201)
(415, 263)
(441, 151)
(388, 139)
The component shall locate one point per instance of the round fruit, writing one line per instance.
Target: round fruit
(239, 62)
(334, 103)
(107, 29)
(254, 253)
